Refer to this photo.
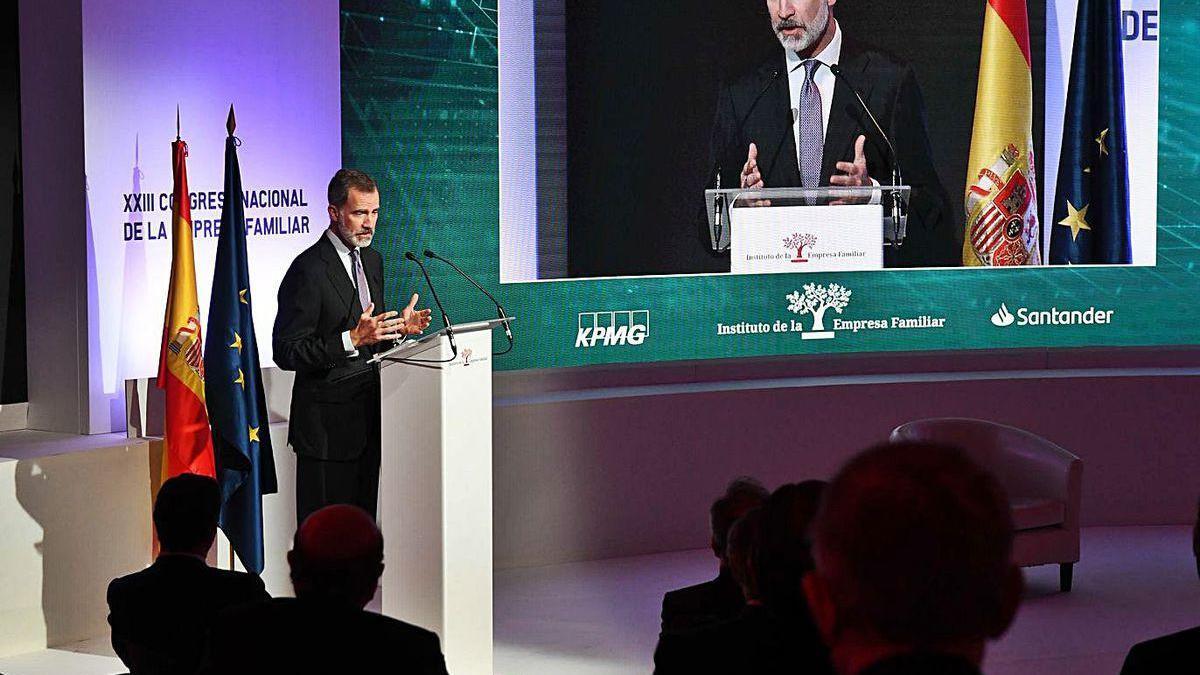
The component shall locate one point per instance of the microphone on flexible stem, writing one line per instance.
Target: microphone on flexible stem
(445, 319)
(899, 228)
(719, 202)
(499, 308)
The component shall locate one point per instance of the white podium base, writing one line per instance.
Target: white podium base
(436, 497)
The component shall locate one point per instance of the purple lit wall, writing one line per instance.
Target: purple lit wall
(277, 62)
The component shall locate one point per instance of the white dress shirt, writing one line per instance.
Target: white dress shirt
(343, 253)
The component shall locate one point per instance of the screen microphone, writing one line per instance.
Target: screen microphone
(433, 291)
(499, 309)
(898, 217)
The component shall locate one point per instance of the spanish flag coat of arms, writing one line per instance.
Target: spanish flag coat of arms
(1002, 225)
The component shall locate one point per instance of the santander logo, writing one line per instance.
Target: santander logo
(1002, 317)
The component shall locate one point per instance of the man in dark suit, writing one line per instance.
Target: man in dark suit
(791, 123)
(913, 573)
(768, 635)
(159, 616)
(719, 598)
(336, 561)
(326, 330)
(1174, 653)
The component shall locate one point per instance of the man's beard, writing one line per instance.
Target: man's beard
(812, 32)
(355, 241)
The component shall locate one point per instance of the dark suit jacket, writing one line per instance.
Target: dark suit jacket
(922, 663)
(290, 635)
(1174, 653)
(709, 602)
(159, 616)
(332, 393)
(890, 88)
(755, 641)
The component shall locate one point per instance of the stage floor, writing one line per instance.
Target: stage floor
(601, 618)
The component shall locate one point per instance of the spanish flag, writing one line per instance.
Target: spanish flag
(181, 361)
(1001, 199)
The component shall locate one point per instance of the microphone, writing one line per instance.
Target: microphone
(499, 308)
(718, 203)
(445, 319)
(898, 217)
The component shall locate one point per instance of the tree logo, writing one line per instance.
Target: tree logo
(799, 242)
(815, 300)
(1002, 317)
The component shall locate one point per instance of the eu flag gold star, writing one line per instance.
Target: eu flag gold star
(242, 296)
(1100, 141)
(241, 379)
(1076, 220)
(237, 342)
(254, 435)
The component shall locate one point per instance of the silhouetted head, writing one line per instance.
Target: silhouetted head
(742, 551)
(784, 553)
(337, 556)
(912, 549)
(185, 514)
(740, 496)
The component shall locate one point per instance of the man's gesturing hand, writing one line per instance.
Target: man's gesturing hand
(414, 320)
(372, 329)
(751, 178)
(854, 174)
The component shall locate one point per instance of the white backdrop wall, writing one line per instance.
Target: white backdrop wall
(277, 62)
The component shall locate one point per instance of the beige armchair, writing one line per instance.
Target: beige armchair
(1042, 480)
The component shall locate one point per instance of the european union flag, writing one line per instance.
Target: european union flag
(1091, 205)
(237, 408)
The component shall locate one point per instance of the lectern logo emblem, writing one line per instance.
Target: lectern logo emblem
(816, 299)
(607, 329)
(798, 242)
(466, 357)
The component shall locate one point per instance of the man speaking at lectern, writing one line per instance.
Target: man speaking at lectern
(332, 318)
(791, 122)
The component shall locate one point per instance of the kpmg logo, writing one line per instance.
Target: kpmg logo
(607, 329)
(1054, 316)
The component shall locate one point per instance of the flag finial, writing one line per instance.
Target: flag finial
(231, 123)
(177, 121)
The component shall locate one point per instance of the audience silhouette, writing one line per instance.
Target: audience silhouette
(912, 573)
(1174, 653)
(720, 598)
(336, 561)
(773, 633)
(900, 565)
(159, 615)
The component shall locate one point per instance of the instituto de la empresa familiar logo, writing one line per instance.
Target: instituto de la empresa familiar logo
(815, 300)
